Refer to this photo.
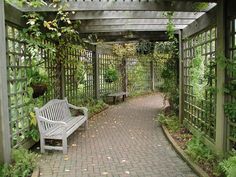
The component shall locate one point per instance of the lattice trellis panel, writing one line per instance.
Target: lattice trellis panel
(199, 82)
(78, 75)
(106, 61)
(157, 76)
(230, 84)
(139, 75)
(19, 65)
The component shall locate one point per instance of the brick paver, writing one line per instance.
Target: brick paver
(122, 141)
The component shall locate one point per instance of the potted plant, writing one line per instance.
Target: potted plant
(38, 81)
(111, 74)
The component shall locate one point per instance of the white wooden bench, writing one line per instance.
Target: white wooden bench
(55, 122)
(118, 94)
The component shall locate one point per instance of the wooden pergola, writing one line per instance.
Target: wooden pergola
(115, 21)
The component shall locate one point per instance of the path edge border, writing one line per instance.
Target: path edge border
(198, 170)
(36, 172)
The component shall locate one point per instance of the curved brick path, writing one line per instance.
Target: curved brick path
(122, 141)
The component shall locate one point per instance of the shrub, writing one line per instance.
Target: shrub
(198, 151)
(111, 75)
(23, 164)
(171, 122)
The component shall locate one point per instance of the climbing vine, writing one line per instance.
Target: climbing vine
(167, 55)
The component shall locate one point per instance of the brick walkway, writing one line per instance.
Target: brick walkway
(122, 141)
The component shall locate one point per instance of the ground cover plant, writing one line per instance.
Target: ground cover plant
(228, 166)
(192, 144)
(22, 165)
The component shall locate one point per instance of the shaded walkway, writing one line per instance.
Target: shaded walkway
(122, 141)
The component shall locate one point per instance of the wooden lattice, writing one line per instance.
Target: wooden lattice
(199, 110)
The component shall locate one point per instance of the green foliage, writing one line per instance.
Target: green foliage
(137, 78)
(166, 57)
(34, 131)
(111, 74)
(124, 50)
(145, 47)
(170, 28)
(228, 166)
(198, 72)
(36, 75)
(169, 63)
(94, 106)
(200, 6)
(230, 111)
(23, 164)
(198, 151)
(171, 122)
(60, 30)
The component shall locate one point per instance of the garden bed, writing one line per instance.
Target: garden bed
(179, 145)
(190, 147)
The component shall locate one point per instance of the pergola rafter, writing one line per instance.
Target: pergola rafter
(130, 36)
(92, 15)
(125, 27)
(120, 5)
(117, 22)
(128, 15)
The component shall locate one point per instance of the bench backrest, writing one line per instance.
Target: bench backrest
(55, 110)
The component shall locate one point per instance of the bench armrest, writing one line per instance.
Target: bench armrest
(84, 109)
(43, 119)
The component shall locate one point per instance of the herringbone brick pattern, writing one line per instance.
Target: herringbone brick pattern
(123, 141)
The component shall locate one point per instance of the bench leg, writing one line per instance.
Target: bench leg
(64, 145)
(42, 144)
(123, 97)
(114, 100)
(86, 125)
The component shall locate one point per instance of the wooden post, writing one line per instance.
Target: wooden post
(221, 50)
(63, 84)
(5, 145)
(152, 75)
(96, 86)
(124, 75)
(181, 79)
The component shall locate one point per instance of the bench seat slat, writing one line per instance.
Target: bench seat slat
(72, 124)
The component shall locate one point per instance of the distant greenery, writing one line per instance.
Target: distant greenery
(198, 72)
(111, 74)
(145, 47)
(23, 164)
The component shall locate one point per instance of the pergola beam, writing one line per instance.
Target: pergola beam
(206, 20)
(178, 6)
(91, 15)
(119, 22)
(129, 36)
(13, 15)
(117, 28)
